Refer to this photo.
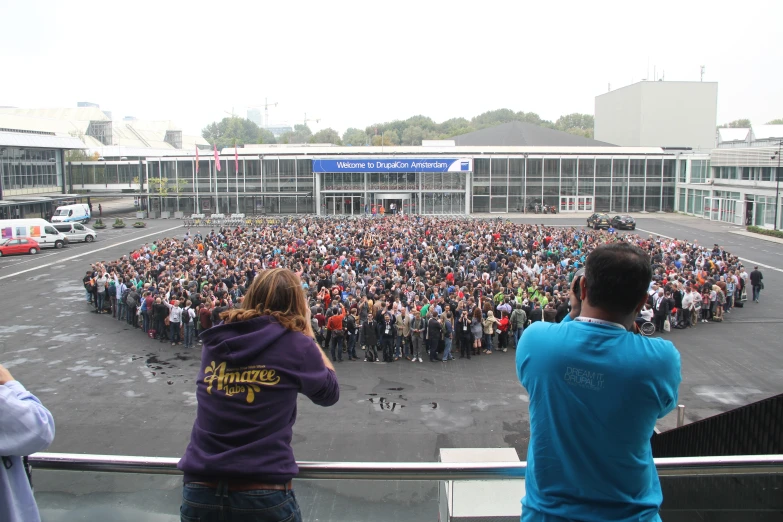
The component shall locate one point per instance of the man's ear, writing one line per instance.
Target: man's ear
(641, 305)
(582, 289)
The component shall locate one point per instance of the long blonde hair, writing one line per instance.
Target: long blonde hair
(278, 293)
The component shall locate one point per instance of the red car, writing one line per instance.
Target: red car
(20, 245)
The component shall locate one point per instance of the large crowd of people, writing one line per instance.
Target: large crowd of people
(404, 288)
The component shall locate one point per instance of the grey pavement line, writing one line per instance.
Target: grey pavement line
(77, 256)
(756, 263)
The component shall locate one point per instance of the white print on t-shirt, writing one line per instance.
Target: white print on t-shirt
(584, 378)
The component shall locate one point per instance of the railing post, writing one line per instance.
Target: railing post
(680, 415)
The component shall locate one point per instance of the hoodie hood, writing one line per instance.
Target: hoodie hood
(241, 342)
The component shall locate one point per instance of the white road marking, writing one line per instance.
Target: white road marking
(77, 256)
(750, 261)
(35, 257)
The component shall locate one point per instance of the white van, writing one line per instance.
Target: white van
(76, 232)
(79, 213)
(39, 229)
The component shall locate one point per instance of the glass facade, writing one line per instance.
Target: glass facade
(498, 184)
(29, 171)
(699, 171)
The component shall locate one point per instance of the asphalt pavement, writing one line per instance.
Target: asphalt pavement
(114, 391)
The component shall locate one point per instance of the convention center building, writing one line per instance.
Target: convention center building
(429, 179)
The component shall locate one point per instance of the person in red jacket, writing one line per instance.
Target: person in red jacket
(335, 325)
(503, 327)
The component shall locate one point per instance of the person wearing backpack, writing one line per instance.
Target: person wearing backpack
(518, 320)
(122, 306)
(188, 323)
(112, 296)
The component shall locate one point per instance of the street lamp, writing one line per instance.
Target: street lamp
(777, 186)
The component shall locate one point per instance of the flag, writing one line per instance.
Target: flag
(236, 157)
(196, 160)
(217, 160)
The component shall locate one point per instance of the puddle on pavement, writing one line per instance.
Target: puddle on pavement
(395, 389)
(383, 404)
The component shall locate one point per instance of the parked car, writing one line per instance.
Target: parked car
(597, 221)
(624, 222)
(76, 232)
(18, 245)
(39, 229)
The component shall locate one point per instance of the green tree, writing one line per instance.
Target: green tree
(328, 135)
(230, 130)
(454, 127)
(300, 134)
(266, 136)
(492, 118)
(355, 137)
(778, 121)
(575, 121)
(414, 135)
(742, 123)
(389, 137)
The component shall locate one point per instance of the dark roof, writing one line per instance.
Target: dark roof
(521, 134)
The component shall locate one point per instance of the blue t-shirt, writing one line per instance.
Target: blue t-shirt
(596, 392)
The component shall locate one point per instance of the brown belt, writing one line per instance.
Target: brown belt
(240, 485)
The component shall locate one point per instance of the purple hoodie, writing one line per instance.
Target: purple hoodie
(251, 373)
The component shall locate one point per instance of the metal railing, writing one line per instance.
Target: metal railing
(681, 466)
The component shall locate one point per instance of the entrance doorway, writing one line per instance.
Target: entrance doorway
(576, 203)
(403, 203)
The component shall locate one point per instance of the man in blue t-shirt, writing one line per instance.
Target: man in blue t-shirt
(596, 391)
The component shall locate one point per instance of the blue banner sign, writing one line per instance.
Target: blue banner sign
(394, 165)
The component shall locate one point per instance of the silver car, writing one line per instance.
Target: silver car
(76, 232)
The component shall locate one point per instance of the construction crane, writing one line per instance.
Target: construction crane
(311, 119)
(266, 106)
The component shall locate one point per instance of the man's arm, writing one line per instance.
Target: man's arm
(26, 426)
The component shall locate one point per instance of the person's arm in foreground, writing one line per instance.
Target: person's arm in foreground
(26, 426)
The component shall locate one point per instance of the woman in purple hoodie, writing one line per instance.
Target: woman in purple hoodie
(239, 464)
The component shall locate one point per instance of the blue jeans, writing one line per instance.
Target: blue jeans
(756, 292)
(398, 346)
(121, 310)
(101, 296)
(205, 504)
(352, 346)
(189, 331)
(488, 342)
(447, 349)
(517, 336)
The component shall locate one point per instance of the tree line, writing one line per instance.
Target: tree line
(412, 131)
(744, 123)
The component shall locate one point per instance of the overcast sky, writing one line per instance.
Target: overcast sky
(353, 64)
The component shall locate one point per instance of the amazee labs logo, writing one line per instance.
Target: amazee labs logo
(234, 381)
